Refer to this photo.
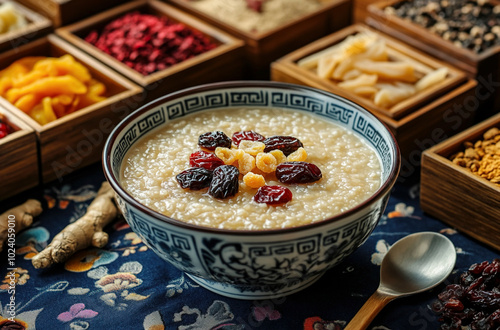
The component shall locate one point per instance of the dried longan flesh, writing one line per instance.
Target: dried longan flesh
(299, 155)
(279, 155)
(253, 180)
(252, 147)
(228, 156)
(246, 163)
(266, 162)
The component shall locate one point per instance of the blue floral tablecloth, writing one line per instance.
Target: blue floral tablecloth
(126, 286)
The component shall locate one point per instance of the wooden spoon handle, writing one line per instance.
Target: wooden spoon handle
(370, 309)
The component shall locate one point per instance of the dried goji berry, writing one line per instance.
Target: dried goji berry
(4, 129)
(148, 43)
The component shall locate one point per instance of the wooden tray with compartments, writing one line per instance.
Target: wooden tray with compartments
(18, 157)
(420, 118)
(261, 48)
(221, 63)
(457, 196)
(38, 26)
(77, 139)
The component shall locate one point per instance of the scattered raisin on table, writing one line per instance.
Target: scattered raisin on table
(195, 178)
(273, 195)
(205, 159)
(298, 172)
(212, 140)
(473, 303)
(225, 182)
(287, 144)
(246, 135)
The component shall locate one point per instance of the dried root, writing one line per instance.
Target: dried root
(22, 215)
(86, 231)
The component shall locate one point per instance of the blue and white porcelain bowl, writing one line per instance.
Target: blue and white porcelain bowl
(253, 264)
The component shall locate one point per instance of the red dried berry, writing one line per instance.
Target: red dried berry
(212, 140)
(4, 129)
(474, 303)
(148, 43)
(224, 182)
(246, 135)
(205, 159)
(255, 5)
(272, 195)
(287, 144)
(298, 172)
(454, 304)
(195, 178)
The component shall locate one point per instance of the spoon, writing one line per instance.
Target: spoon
(414, 264)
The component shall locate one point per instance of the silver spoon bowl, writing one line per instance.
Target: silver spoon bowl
(414, 264)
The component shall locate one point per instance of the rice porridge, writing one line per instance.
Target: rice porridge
(351, 170)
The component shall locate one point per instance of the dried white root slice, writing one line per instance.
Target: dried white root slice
(432, 78)
(388, 95)
(388, 70)
(362, 80)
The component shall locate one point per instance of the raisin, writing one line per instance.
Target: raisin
(272, 195)
(454, 304)
(224, 182)
(205, 159)
(195, 178)
(212, 140)
(246, 135)
(287, 144)
(298, 172)
(474, 302)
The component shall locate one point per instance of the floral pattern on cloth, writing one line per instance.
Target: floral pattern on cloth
(124, 285)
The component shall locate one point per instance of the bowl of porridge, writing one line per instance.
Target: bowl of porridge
(254, 189)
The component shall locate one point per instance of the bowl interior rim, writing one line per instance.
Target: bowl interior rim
(114, 182)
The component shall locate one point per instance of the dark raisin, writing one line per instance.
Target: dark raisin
(298, 172)
(474, 303)
(195, 178)
(212, 140)
(205, 159)
(287, 144)
(246, 135)
(454, 304)
(224, 182)
(273, 195)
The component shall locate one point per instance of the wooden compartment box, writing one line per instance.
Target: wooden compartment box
(18, 157)
(219, 64)
(263, 48)
(484, 66)
(457, 196)
(38, 26)
(62, 12)
(417, 122)
(77, 139)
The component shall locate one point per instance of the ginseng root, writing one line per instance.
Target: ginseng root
(84, 232)
(22, 217)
